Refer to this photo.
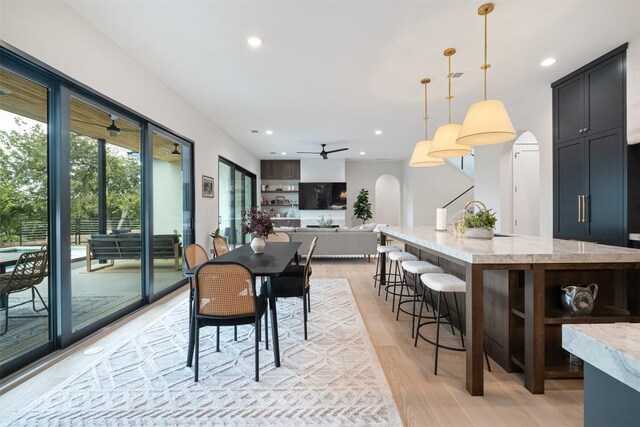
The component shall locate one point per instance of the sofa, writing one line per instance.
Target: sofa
(335, 241)
(109, 247)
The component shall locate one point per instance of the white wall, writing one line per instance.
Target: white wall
(426, 189)
(364, 174)
(531, 113)
(58, 36)
(388, 189)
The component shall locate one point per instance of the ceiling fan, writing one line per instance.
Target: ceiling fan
(113, 129)
(324, 154)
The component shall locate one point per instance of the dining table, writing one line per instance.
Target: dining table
(271, 262)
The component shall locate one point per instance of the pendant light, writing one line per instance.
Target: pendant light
(487, 122)
(444, 140)
(420, 157)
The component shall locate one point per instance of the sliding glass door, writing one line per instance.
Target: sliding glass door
(237, 188)
(25, 289)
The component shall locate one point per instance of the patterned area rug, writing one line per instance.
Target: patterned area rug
(333, 379)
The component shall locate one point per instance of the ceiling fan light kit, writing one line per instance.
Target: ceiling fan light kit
(487, 122)
(444, 141)
(420, 157)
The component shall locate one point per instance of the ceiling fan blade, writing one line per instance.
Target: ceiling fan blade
(307, 152)
(335, 151)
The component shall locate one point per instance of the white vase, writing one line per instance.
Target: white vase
(478, 233)
(257, 244)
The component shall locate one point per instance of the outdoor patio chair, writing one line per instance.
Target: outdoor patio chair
(29, 271)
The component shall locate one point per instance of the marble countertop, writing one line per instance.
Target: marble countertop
(614, 348)
(634, 237)
(512, 249)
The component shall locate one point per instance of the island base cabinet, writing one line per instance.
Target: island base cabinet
(607, 401)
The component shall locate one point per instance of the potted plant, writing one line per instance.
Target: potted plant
(259, 225)
(325, 222)
(362, 207)
(479, 225)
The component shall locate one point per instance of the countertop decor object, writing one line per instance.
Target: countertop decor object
(257, 223)
(480, 224)
(579, 299)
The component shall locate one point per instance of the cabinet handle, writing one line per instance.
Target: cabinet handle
(579, 209)
(585, 217)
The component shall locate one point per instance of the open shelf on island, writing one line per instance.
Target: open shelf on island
(605, 314)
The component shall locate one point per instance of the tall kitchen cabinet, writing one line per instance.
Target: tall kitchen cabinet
(590, 154)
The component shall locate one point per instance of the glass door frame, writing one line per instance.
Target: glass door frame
(253, 181)
(188, 231)
(23, 69)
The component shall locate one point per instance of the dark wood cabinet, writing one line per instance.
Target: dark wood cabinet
(280, 169)
(590, 165)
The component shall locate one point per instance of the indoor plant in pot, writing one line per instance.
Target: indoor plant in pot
(479, 225)
(259, 225)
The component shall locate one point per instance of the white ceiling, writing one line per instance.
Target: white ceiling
(334, 71)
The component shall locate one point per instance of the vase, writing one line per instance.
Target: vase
(257, 244)
(478, 233)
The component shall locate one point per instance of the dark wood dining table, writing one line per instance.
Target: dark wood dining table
(275, 258)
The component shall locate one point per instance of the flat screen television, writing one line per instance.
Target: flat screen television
(322, 195)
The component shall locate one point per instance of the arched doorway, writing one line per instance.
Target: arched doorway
(387, 200)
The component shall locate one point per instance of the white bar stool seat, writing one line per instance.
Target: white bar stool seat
(443, 282)
(421, 267)
(382, 249)
(392, 286)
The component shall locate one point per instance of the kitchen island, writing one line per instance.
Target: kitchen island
(513, 286)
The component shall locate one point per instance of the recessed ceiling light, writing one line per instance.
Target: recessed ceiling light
(269, 132)
(254, 42)
(362, 153)
(378, 132)
(283, 153)
(548, 61)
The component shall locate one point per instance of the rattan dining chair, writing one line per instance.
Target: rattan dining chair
(225, 295)
(220, 246)
(29, 271)
(295, 282)
(279, 237)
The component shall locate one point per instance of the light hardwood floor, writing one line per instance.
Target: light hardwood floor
(423, 399)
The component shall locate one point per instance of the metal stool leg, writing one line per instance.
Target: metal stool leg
(435, 370)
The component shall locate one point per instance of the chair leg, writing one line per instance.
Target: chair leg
(197, 350)
(235, 332)
(5, 297)
(266, 330)
(304, 311)
(217, 338)
(192, 332)
(257, 349)
(375, 277)
(309, 300)
(415, 293)
(435, 370)
(422, 304)
(403, 283)
(446, 303)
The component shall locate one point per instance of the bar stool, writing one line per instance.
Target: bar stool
(443, 283)
(416, 268)
(382, 249)
(391, 288)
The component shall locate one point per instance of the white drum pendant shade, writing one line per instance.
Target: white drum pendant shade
(444, 142)
(421, 158)
(487, 122)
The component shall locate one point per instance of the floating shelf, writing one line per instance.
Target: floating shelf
(606, 314)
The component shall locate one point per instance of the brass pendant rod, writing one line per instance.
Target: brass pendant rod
(485, 57)
(425, 82)
(449, 97)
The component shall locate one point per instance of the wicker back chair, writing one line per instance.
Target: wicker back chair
(225, 295)
(29, 271)
(279, 237)
(195, 255)
(295, 282)
(220, 246)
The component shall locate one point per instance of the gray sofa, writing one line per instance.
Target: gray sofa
(334, 241)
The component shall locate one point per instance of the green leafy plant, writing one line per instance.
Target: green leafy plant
(484, 218)
(324, 222)
(362, 206)
(216, 233)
